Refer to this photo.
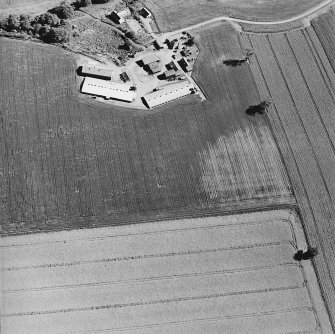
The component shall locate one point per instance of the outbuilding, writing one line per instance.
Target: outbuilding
(145, 13)
(97, 72)
(108, 89)
(168, 94)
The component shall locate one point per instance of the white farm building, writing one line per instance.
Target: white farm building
(108, 89)
(168, 93)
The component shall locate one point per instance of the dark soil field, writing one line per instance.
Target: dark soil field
(293, 70)
(70, 162)
(175, 14)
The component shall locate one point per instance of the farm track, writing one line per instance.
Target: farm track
(98, 165)
(226, 273)
(293, 70)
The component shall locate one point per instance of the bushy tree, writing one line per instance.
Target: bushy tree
(84, 3)
(44, 30)
(48, 18)
(12, 23)
(190, 42)
(63, 11)
(25, 22)
(36, 28)
(259, 108)
(57, 35)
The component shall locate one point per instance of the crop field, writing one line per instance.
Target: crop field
(24, 6)
(71, 162)
(324, 27)
(230, 274)
(175, 14)
(293, 70)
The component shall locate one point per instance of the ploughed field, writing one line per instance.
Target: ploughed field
(71, 162)
(293, 70)
(175, 14)
(231, 274)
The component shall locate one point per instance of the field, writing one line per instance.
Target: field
(174, 14)
(293, 70)
(324, 27)
(26, 6)
(231, 274)
(71, 162)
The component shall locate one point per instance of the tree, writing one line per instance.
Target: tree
(57, 35)
(309, 254)
(259, 108)
(44, 30)
(13, 23)
(25, 22)
(48, 18)
(63, 11)
(36, 28)
(85, 3)
(190, 41)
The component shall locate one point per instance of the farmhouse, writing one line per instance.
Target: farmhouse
(152, 64)
(108, 89)
(96, 72)
(119, 17)
(169, 93)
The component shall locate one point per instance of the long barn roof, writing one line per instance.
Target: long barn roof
(97, 71)
(169, 93)
(108, 89)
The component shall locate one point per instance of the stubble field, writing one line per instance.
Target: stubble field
(324, 27)
(231, 274)
(292, 69)
(70, 162)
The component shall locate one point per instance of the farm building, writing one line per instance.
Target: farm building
(185, 53)
(171, 66)
(145, 13)
(157, 45)
(151, 59)
(170, 74)
(184, 65)
(124, 77)
(153, 67)
(108, 89)
(119, 17)
(96, 72)
(168, 94)
(152, 64)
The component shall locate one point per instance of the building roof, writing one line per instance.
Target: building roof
(96, 71)
(170, 73)
(168, 93)
(154, 67)
(144, 12)
(125, 12)
(108, 89)
(151, 59)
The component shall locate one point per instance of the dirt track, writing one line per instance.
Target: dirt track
(225, 274)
